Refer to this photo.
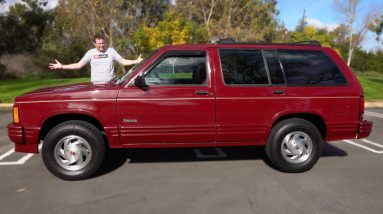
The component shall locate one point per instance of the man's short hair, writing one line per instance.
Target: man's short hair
(98, 36)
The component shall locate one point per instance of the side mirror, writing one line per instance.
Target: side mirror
(140, 82)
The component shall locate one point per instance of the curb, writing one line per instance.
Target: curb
(6, 106)
(374, 104)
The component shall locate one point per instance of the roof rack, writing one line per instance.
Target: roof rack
(308, 42)
(223, 41)
(232, 41)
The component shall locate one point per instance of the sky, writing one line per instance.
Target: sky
(322, 13)
(319, 13)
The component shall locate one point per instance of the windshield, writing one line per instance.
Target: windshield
(134, 69)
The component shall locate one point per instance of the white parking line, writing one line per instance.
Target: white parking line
(374, 114)
(7, 154)
(21, 161)
(220, 154)
(372, 143)
(363, 147)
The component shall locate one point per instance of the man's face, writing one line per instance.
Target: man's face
(100, 45)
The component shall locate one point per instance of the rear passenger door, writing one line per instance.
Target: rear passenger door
(250, 93)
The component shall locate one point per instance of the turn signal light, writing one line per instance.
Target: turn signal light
(16, 118)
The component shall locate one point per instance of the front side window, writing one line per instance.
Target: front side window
(189, 69)
(310, 68)
(243, 67)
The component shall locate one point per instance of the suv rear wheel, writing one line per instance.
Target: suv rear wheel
(73, 150)
(294, 145)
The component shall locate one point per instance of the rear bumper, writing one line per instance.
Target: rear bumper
(27, 143)
(364, 129)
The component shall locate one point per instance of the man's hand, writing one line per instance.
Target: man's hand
(139, 59)
(57, 65)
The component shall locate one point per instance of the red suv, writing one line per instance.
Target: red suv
(290, 98)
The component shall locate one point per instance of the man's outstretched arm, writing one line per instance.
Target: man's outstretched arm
(126, 62)
(74, 66)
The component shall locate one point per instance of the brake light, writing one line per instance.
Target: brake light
(16, 118)
(361, 107)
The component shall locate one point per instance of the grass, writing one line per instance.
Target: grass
(372, 84)
(9, 89)
(176, 75)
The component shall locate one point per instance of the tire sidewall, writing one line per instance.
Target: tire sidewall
(280, 131)
(82, 129)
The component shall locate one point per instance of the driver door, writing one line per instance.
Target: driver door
(177, 107)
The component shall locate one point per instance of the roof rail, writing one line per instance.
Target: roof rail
(223, 41)
(232, 41)
(308, 42)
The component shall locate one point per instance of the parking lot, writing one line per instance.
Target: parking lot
(348, 178)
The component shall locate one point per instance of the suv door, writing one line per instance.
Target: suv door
(250, 94)
(178, 105)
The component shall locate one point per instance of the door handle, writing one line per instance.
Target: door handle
(201, 92)
(279, 92)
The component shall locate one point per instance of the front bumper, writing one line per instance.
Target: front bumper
(364, 129)
(25, 140)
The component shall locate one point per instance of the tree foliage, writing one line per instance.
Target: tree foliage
(311, 33)
(243, 20)
(141, 26)
(174, 29)
(376, 26)
(23, 26)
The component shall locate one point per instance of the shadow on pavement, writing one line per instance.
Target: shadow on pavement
(330, 150)
(118, 157)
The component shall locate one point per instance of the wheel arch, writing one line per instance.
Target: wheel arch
(54, 120)
(315, 119)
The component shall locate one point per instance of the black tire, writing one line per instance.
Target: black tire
(83, 141)
(288, 146)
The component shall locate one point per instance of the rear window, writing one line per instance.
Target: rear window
(243, 67)
(310, 68)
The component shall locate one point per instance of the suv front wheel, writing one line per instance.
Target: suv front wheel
(73, 150)
(294, 145)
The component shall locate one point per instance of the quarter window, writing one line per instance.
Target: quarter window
(310, 68)
(243, 67)
(179, 70)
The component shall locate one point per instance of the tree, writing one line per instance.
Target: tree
(311, 33)
(302, 23)
(23, 26)
(376, 26)
(349, 11)
(246, 20)
(173, 29)
(77, 21)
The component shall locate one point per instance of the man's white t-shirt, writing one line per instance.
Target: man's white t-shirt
(101, 64)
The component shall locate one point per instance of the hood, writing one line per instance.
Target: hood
(69, 88)
(70, 92)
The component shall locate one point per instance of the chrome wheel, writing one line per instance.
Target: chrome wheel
(73, 152)
(296, 147)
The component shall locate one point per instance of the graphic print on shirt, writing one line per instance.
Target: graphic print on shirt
(100, 56)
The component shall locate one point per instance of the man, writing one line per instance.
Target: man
(101, 61)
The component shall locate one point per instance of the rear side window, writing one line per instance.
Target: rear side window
(310, 68)
(242, 67)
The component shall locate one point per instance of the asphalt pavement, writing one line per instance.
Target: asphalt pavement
(348, 178)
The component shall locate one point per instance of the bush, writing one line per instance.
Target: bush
(4, 75)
